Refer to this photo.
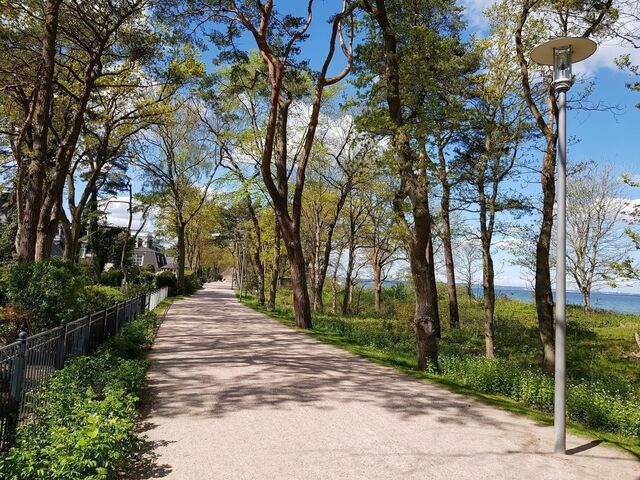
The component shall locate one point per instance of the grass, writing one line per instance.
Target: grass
(596, 344)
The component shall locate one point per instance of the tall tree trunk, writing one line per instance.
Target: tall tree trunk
(426, 310)
(377, 286)
(30, 204)
(301, 303)
(586, 301)
(258, 264)
(316, 292)
(346, 298)
(488, 289)
(70, 252)
(489, 295)
(275, 269)
(543, 292)
(334, 282)
(454, 316)
(180, 267)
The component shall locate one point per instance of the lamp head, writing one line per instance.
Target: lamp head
(561, 53)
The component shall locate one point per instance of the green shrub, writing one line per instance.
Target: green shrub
(49, 290)
(145, 277)
(536, 390)
(112, 278)
(191, 283)
(99, 297)
(84, 429)
(167, 279)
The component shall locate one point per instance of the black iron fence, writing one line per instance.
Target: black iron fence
(29, 362)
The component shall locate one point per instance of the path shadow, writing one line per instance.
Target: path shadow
(584, 448)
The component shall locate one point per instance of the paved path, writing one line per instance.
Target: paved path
(235, 395)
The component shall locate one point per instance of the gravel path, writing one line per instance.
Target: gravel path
(235, 395)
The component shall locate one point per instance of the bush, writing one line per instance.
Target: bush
(84, 430)
(167, 279)
(12, 322)
(594, 404)
(191, 283)
(49, 290)
(99, 297)
(112, 278)
(144, 277)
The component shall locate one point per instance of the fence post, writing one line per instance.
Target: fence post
(61, 350)
(86, 335)
(105, 330)
(17, 382)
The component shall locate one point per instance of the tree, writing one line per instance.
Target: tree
(498, 126)
(383, 240)
(531, 22)
(355, 220)
(180, 162)
(595, 240)
(337, 168)
(123, 106)
(400, 36)
(278, 38)
(469, 261)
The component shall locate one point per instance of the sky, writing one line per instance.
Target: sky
(608, 137)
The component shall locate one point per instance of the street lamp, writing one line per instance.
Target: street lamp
(561, 53)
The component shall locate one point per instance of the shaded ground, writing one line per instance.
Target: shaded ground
(235, 395)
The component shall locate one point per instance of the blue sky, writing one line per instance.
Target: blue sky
(602, 136)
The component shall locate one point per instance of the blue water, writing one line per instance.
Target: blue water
(616, 302)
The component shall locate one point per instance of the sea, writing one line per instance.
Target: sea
(616, 302)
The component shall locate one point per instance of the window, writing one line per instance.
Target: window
(140, 260)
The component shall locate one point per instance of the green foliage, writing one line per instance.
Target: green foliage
(49, 290)
(99, 297)
(191, 283)
(144, 277)
(84, 429)
(167, 279)
(112, 278)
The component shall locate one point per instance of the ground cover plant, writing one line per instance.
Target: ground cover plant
(603, 385)
(83, 423)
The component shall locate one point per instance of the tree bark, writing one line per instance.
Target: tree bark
(426, 310)
(301, 303)
(180, 267)
(346, 298)
(543, 292)
(30, 204)
(275, 269)
(454, 316)
(377, 286)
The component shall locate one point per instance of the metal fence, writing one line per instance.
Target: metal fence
(29, 362)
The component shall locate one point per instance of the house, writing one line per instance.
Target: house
(170, 266)
(147, 252)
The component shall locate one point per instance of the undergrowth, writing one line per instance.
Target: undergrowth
(82, 425)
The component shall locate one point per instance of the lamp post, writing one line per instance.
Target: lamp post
(561, 53)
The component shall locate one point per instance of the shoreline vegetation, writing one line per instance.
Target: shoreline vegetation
(603, 397)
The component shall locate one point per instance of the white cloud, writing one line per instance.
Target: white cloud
(117, 213)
